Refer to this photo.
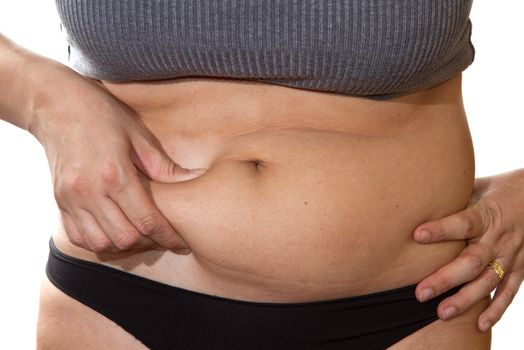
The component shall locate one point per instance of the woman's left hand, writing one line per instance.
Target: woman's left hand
(493, 225)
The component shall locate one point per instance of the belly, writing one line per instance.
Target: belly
(302, 201)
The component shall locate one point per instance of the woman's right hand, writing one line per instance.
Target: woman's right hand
(95, 146)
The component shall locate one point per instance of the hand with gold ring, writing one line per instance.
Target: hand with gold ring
(497, 267)
(493, 225)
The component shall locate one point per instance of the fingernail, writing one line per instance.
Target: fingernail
(427, 293)
(485, 326)
(449, 313)
(183, 251)
(422, 236)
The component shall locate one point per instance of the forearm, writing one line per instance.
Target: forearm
(23, 75)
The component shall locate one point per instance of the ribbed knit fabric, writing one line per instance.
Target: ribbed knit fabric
(356, 47)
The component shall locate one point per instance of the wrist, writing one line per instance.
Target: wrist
(42, 76)
(49, 85)
(23, 74)
(14, 86)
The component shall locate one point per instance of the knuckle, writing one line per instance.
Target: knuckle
(474, 263)
(149, 224)
(490, 281)
(100, 245)
(516, 242)
(177, 244)
(493, 213)
(444, 283)
(465, 300)
(169, 168)
(126, 241)
(112, 175)
(438, 234)
(58, 193)
(467, 224)
(76, 240)
(76, 183)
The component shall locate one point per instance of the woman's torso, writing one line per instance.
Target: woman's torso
(308, 195)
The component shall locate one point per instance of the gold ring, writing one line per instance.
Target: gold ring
(497, 267)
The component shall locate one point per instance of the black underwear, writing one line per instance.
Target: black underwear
(168, 317)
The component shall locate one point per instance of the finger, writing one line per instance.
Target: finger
(503, 297)
(470, 295)
(72, 232)
(141, 211)
(117, 227)
(508, 287)
(484, 284)
(467, 266)
(468, 223)
(91, 232)
(153, 161)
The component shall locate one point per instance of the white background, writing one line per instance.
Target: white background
(493, 93)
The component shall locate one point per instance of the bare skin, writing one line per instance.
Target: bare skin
(307, 196)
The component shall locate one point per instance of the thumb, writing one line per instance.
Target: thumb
(156, 164)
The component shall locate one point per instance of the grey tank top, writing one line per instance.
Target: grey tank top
(371, 48)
